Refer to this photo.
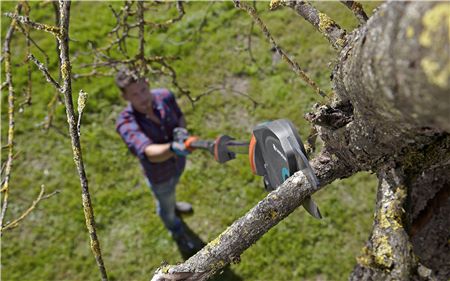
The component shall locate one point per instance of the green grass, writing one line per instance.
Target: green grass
(53, 244)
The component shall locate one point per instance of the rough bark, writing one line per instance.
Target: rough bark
(244, 232)
(392, 107)
(66, 90)
(389, 115)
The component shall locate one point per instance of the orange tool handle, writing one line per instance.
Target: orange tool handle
(188, 142)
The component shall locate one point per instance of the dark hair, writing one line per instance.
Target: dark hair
(125, 77)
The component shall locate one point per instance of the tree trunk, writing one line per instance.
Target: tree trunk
(390, 115)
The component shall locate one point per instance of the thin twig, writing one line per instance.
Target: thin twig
(249, 43)
(93, 73)
(22, 29)
(44, 70)
(141, 23)
(139, 62)
(9, 81)
(322, 22)
(41, 197)
(172, 73)
(167, 23)
(51, 111)
(28, 52)
(224, 88)
(357, 10)
(194, 34)
(295, 67)
(39, 26)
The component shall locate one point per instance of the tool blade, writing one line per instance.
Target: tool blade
(311, 207)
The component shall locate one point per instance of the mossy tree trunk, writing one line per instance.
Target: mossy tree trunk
(389, 115)
(393, 104)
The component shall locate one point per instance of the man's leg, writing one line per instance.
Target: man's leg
(165, 204)
(166, 207)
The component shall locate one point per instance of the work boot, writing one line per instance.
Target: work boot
(183, 208)
(185, 243)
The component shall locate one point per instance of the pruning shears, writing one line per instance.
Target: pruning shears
(275, 152)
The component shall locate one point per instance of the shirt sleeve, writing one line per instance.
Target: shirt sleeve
(174, 105)
(132, 135)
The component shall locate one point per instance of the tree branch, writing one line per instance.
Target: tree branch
(388, 253)
(244, 232)
(141, 23)
(66, 89)
(26, 33)
(302, 74)
(322, 22)
(9, 82)
(357, 9)
(181, 13)
(44, 70)
(40, 197)
(39, 26)
(28, 52)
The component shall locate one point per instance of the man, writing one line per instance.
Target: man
(152, 126)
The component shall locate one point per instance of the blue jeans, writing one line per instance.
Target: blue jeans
(165, 204)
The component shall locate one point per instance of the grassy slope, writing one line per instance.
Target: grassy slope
(52, 243)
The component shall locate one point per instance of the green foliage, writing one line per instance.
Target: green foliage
(53, 244)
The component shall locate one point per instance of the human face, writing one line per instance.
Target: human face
(139, 96)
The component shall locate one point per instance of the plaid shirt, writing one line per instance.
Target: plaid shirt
(137, 131)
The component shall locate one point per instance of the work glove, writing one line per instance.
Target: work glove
(180, 134)
(179, 148)
(181, 142)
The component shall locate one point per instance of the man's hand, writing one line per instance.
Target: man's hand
(180, 134)
(181, 142)
(179, 148)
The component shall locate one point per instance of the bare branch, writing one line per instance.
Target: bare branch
(28, 52)
(249, 43)
(40, 197)
(141, 23)
(22, 29)
(9, 81)
(322, 22)
(66, 90)
(192, 35)
(244, 232)
(51, 106)
(39, 26)
(93, 73)
(357, 9)
(44, 70)
(302, 74)
(181, 13)
(225, 89)
(172, 73)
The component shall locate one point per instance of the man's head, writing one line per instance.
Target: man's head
(135, 90)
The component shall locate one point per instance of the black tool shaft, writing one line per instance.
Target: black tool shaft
(233, 146)
(204, 144)
(238, 147)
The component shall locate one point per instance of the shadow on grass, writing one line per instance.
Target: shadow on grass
(225, 275)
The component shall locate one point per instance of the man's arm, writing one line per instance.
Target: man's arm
(157, 153)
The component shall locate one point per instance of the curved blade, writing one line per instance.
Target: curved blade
(311, 207)
(303, 165)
